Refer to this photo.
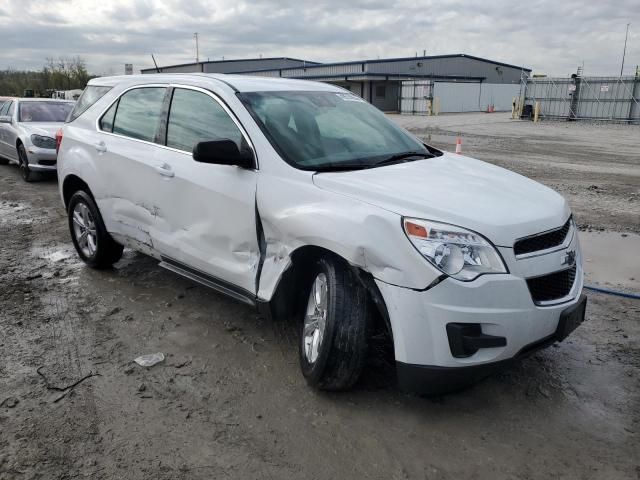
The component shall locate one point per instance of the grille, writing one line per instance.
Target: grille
(542, 241)
(553, 286)
(47, 162)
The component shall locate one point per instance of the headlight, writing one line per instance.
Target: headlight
(460, 253)
(43, 142)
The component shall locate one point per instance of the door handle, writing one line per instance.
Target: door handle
(165, 170)
(101, 147)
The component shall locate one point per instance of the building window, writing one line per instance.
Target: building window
(381, 91)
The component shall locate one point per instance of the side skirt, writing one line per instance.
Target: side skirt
(207, 280)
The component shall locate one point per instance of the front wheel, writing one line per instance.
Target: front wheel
(27, 174)
(333, 340)
(90, 237)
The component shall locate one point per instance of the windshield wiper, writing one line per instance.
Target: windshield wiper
(340, 167)
(398, 157)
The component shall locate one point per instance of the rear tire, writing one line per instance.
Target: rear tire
(90, 237)
(333, 339)
(27, 174)
(3, 161)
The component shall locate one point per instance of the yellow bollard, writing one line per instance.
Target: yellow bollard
(536, 111)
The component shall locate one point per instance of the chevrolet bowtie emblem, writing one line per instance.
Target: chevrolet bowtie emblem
(569, 258)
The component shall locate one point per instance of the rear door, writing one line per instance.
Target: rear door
(126, 157)
(206, 218)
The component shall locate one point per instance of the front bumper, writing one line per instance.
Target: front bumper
(42, 159)
(433, 380)
(500, 306)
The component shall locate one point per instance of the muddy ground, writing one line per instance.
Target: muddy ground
(229, 401)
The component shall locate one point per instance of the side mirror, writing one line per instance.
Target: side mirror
(223, 152)
(5, 119)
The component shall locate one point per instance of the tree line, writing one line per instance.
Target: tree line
(63, 73)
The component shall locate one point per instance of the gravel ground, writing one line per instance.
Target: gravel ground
(229, 401)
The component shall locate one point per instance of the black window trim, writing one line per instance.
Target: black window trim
(160, 137)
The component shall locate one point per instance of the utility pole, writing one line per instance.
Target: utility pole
(624, 52)
(195, 35)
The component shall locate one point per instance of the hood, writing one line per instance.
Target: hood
(41, 128)
(497, 203)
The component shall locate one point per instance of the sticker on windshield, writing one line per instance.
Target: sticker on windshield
(349, 97)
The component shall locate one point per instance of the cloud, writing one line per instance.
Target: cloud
(549, 36)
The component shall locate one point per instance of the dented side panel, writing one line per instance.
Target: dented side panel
(295, 213)
(207, 218)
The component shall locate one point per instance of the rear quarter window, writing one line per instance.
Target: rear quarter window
(91, 95)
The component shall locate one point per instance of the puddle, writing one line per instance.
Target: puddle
(611, 259)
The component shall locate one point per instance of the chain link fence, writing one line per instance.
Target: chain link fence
(582, 98)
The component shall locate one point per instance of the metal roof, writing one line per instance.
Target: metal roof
(211, 62)
(312, 65)
(400, 59)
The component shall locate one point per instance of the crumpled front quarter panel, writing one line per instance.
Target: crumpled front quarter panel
(295, 213)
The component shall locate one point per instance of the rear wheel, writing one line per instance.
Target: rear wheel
(27, 174)
(90, 237)
(333, 340)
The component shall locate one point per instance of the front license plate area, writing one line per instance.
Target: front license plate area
(571, 318)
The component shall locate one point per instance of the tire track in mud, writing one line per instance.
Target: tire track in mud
(59, 441)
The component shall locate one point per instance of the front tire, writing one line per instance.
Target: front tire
(90, 237)
(27, 174)
(333, 340)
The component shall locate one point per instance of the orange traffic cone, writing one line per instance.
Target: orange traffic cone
(458, 145)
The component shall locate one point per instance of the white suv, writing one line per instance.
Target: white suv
(302, 199)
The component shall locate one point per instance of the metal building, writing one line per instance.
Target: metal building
(456, 83)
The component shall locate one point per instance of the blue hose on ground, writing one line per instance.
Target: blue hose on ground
(613, 292)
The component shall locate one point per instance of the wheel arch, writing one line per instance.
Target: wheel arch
(70, 185)
(287, 301)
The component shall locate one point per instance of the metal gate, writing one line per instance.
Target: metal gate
(585, 98)
(416, 97)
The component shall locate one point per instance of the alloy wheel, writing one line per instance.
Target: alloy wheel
(315, 320)
(84, 229)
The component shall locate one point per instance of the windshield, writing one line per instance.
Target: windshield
(330, 130)
(44, 111)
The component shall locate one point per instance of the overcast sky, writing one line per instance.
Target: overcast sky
(552, 37)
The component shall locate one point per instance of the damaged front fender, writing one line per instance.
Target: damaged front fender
(366, 236)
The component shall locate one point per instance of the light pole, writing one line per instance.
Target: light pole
(624, 52)
(195, 35)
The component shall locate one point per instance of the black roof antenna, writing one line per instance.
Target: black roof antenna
(154, 62)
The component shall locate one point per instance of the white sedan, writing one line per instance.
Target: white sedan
(28, 129)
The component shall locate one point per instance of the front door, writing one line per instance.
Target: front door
(206, 216)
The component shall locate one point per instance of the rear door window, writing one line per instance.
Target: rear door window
(89, 96)
(195, 117)
(106, 122)
(138, 113)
